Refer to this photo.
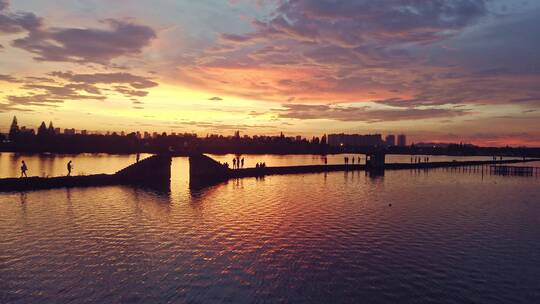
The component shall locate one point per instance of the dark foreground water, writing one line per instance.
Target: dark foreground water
(407, 237)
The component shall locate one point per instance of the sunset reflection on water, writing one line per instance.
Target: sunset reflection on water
(339, 237)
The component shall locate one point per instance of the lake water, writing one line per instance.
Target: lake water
(440, 236)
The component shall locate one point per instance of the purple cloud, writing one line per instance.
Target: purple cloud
(8, 78)
(11, 23)
(85, 45)
(49, 95)
(126, 91)
(135, 81)
(364, 114)
(410, 55)
(355, 23)
(67, 86)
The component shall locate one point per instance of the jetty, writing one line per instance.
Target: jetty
(154, 171)
(204, 170)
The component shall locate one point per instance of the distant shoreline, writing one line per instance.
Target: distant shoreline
(186, 154)
(46, 140)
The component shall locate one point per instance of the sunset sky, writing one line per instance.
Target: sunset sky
(436, 70)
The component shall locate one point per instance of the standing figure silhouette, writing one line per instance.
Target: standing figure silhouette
(69, 167)
(24, 168)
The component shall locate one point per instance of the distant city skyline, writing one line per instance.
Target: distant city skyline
(438, 71)
(389, 139)
(333, 139)
(50, 128)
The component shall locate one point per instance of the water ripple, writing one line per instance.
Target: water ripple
(407, 237)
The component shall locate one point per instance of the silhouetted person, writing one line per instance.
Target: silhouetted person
(234, 163)
(352, 160)
(69, 167)
(24, 168)
(325, 161)
(257, 165)
(138, 157)
(359, 159)
(242, 162)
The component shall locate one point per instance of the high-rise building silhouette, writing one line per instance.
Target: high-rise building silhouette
(390, 140)
(402, 140)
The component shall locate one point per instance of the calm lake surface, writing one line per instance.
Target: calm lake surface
(439, 236)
